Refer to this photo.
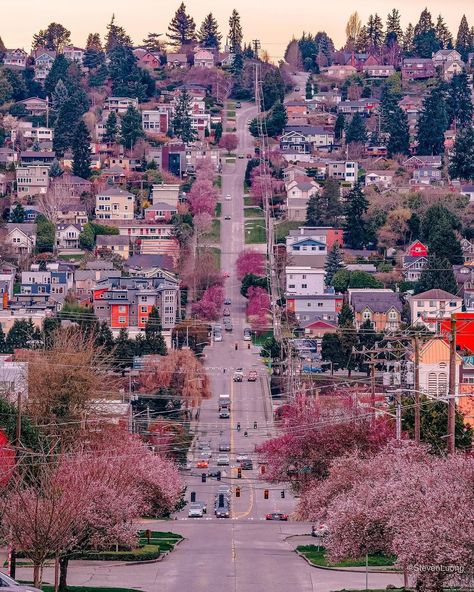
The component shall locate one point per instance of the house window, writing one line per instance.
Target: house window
(304, 286)
(392, 315)
(144, 308)
(420, 303)
(366, 315)
(121, 319)
(432, 303)
(452, 304)
(291, 285)
(122, 308)
(320, 304)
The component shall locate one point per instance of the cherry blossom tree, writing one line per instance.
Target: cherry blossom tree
(229, 142)
(202, 197)
(209, 307)
(258, 308)
(262, 183)
(250, 261)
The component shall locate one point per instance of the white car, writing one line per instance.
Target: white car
(223, 460)
(228, 197)
(195, 511)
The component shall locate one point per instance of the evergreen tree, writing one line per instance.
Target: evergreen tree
(425, 23)
(126, 76)
(375, 31)
(367, 337)
(218, 132)
(124, 350)
(388, 103)
(309, 88)
(59, 96)
(81, 150)
(17, 83)
(435, 215)
(347, 337)
(334, 263)
(273, 89)
(355, 227)
(153, 43)
(424, 41)
(346, 316)
(182, 28)
(362, 41)
(182, 118)
(277, 120)
(432, 123)
(111, 129)
(331, 351)
(461, 164)
(459, 101)
(68, 117)
(394, 33)
(356, 131)
(154, 340)
(104, 337)
(444, 243)
(94, 55)
(339, 126)
(237, 66)
(3, 345)
(438, 273)
(399, 133)
(313, 211)
(444, 37)
(55, 38)
(131, 127)
(208, 35)
(464, 41)
(20, 335)
(55, 169)
(408, 37)
(235, 33)
(17, 214)
(116, 36)
(59, 71)
(50, 326)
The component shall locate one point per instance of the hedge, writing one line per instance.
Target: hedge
(143, 553)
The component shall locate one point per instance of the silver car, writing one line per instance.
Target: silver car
(195, 511)
(8, 584)
(223, 460)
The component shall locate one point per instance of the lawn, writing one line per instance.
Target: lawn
(248, 200)
(218, 181)
(218, 211)
(230, 130)
(253, 212)
(255, 231)
(217, 255)
(260, 339)
(215, 233)
(231, 114)
(230, 160)
(283, 228)
(317, 556)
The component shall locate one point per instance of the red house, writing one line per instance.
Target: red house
(417, 249)
(464, 330)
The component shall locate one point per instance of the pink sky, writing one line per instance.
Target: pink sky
(274, 22)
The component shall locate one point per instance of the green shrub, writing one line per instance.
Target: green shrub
(142, 553)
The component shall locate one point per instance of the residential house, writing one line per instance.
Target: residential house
(340, 72)
(468, 191)
(445, 56)
(7, 156)
(296, 108)
(291, 172)
(71, 185)
(378, 71)
(55, 281)
(177, 60)
(431, 307)
(382, 308)
(157, 120)
(44, 60)
(464, 332)
(434, 368)
(67, 235)
(413, 266)
(426, 175)
(15, 58)
(411, 103)
(167, 193)
(34, 106)
(418, 68)
(148, 59)
(452, 69)
(31, 180)
(361, 106)
(114, 204)
(125, 302)
(323, 236)
(118, 244)
(304, 280)
(173, 158)
(316, 327)
(160, 212)
(326, 99)
(346, 171)
(7, 281)
(120, 104)
(37, 157)
(21, 238)
(327, 306)
(72, 214)
(150, 266)
(298, 192)
(74, 54)
(200, 152)
(467, 250)
(28, 132)
(3, 184)
(382, 178)
(149, 238)
(305, 138)
(416, 162)
(204, 58)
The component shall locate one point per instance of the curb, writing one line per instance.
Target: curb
(348, 569)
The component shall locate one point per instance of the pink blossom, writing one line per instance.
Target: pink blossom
(250, 261)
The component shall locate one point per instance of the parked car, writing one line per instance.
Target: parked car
(228, 197)
(241, 156)
(223, 460)
(252, 376)
(238, 375)
(229, 327)
(247, 335)
(195, 511)
(8, 584)
(227, 217)
(217, 337)
(226, 312)
(276, 516)
(202, 464)
(238, 105)
(224, 447)
(224, 414)
(227, 302)
(246, 465)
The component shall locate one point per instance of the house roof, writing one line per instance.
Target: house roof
(64, 226)
(307, 241)
(39, 154)
(203, 54)
(161, 205)
(408, 61)
(24, 227)
(115, 191)
(435, 294)
(376, 301)
(318, 320)
(150, 261)
(306, 129)
(104, 240)
(469, 188)
(409, 260)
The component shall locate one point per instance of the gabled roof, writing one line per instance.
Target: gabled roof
(104, 240)
(307, 242)
(377, 301)
(435, 294)
(22, 227)
(115, 191)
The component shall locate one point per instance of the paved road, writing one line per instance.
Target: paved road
(244, 553)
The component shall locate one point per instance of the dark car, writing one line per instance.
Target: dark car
(276, 516)
(246, 464)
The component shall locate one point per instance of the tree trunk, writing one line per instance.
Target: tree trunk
(37, 574)
(63, 565)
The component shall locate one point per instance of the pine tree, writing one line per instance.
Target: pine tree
(127, 78)
(334, 263)
(277, 120)
(394, 33)
(131, 127)
(355, 227)
(59, 71)
(208, 35)
(94, 55)
(55, 169)
(346, 316)
(81, 150)
(425, 23)
(218, 132)
(399, 133)
(104, 337)
(407, 45)
(3, 345)
(182, 119)
(235, 33)
(362, 41)
(182, 28)
(153, 43)
(432, 123)
(444, 37)
(313, 211)
(375, 31)
(347, 337)
(111, 129)
(438, 273)
(461, 165)
(459, 101)
(68, 118)
(339, 126)
(464, 41)
(124, 350)
(154, 340)
(116, 37)
(59, 96)
(356, 131)
(17, 214)
(444, 243)
(309, 88)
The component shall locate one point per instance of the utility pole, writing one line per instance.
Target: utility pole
(256, 46)
(372, 382)
(452, 388)
(17, 454)
(417, 389)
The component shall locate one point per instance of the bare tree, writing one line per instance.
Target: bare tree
(53, 201)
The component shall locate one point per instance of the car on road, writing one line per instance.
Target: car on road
(213, 474)
(238, 375)
(226, 312)
(247, 334)
(238, 105)
(218, 336)
(241, 457)
(195, 511)
(224, 446)
(252, 376)
(297, 89)
(227, 217)
(227, 302)
(228, 197)
(276, 516)
(224, 414)
(241, 156)
(223, 460)
(249, 156)
(203, 444)
(8, 584)
(319, 530)
(222, 511)
(202, 464)
(187, 466)
(228, 327)
(206, 453)
(246, 464)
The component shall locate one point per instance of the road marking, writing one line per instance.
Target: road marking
(231, 435)
(252, 498)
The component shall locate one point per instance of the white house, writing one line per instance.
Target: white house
(15, 58)
(32, 180)
(74, 54)
(21, 237)
(120, 104)
(382, 179)
(13, 379)
(343, 170)
(301, 281)
(67, 236)
(204, 58)
(430, 307)
(114, 204)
